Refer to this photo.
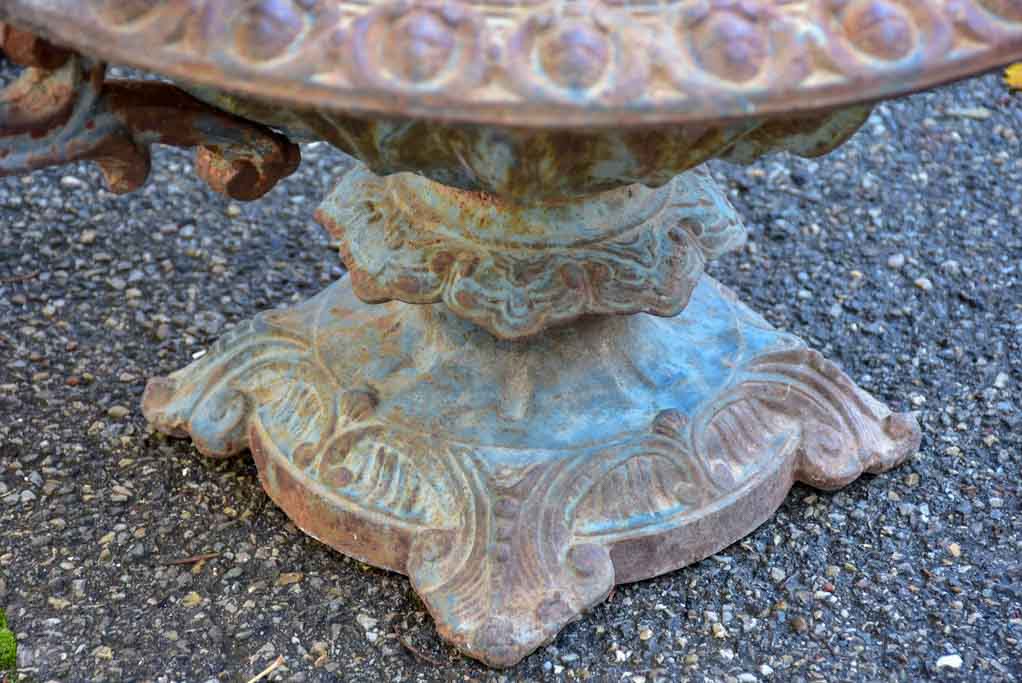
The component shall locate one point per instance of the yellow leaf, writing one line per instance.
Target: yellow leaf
(191, 600)
(1013, 76)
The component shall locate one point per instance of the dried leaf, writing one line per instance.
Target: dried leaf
(287, 578)
(1013, 76)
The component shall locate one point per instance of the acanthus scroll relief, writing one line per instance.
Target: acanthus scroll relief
(507, 543)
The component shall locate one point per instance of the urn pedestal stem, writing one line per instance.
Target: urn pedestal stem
(540, 402)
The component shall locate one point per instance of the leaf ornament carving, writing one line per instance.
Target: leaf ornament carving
(519, 270)
(254, 367)
(263, 380)
(511, 577)
(842, 431)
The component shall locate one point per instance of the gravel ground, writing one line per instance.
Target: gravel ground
(898, 256)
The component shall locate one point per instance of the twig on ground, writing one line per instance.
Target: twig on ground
(815, 198)
(194, 559)
(419, 654)
(18, 278)
(261, 507)
(277, 663)
(228, 524)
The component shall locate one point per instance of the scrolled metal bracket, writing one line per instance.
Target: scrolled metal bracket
(62, 109)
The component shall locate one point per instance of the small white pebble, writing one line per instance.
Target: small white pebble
(949, 662)
(896, 261)
(924, 283)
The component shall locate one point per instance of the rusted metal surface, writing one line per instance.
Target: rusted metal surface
(69, 112)
(27, 49)
(540, 63)
(515, 485)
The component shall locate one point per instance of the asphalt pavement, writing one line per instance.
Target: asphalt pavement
(899, 256)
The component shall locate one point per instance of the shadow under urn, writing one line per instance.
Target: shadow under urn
(526, 390)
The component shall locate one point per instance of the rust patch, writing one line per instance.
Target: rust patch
(29, 50)
(316, 514)
(37, 102)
